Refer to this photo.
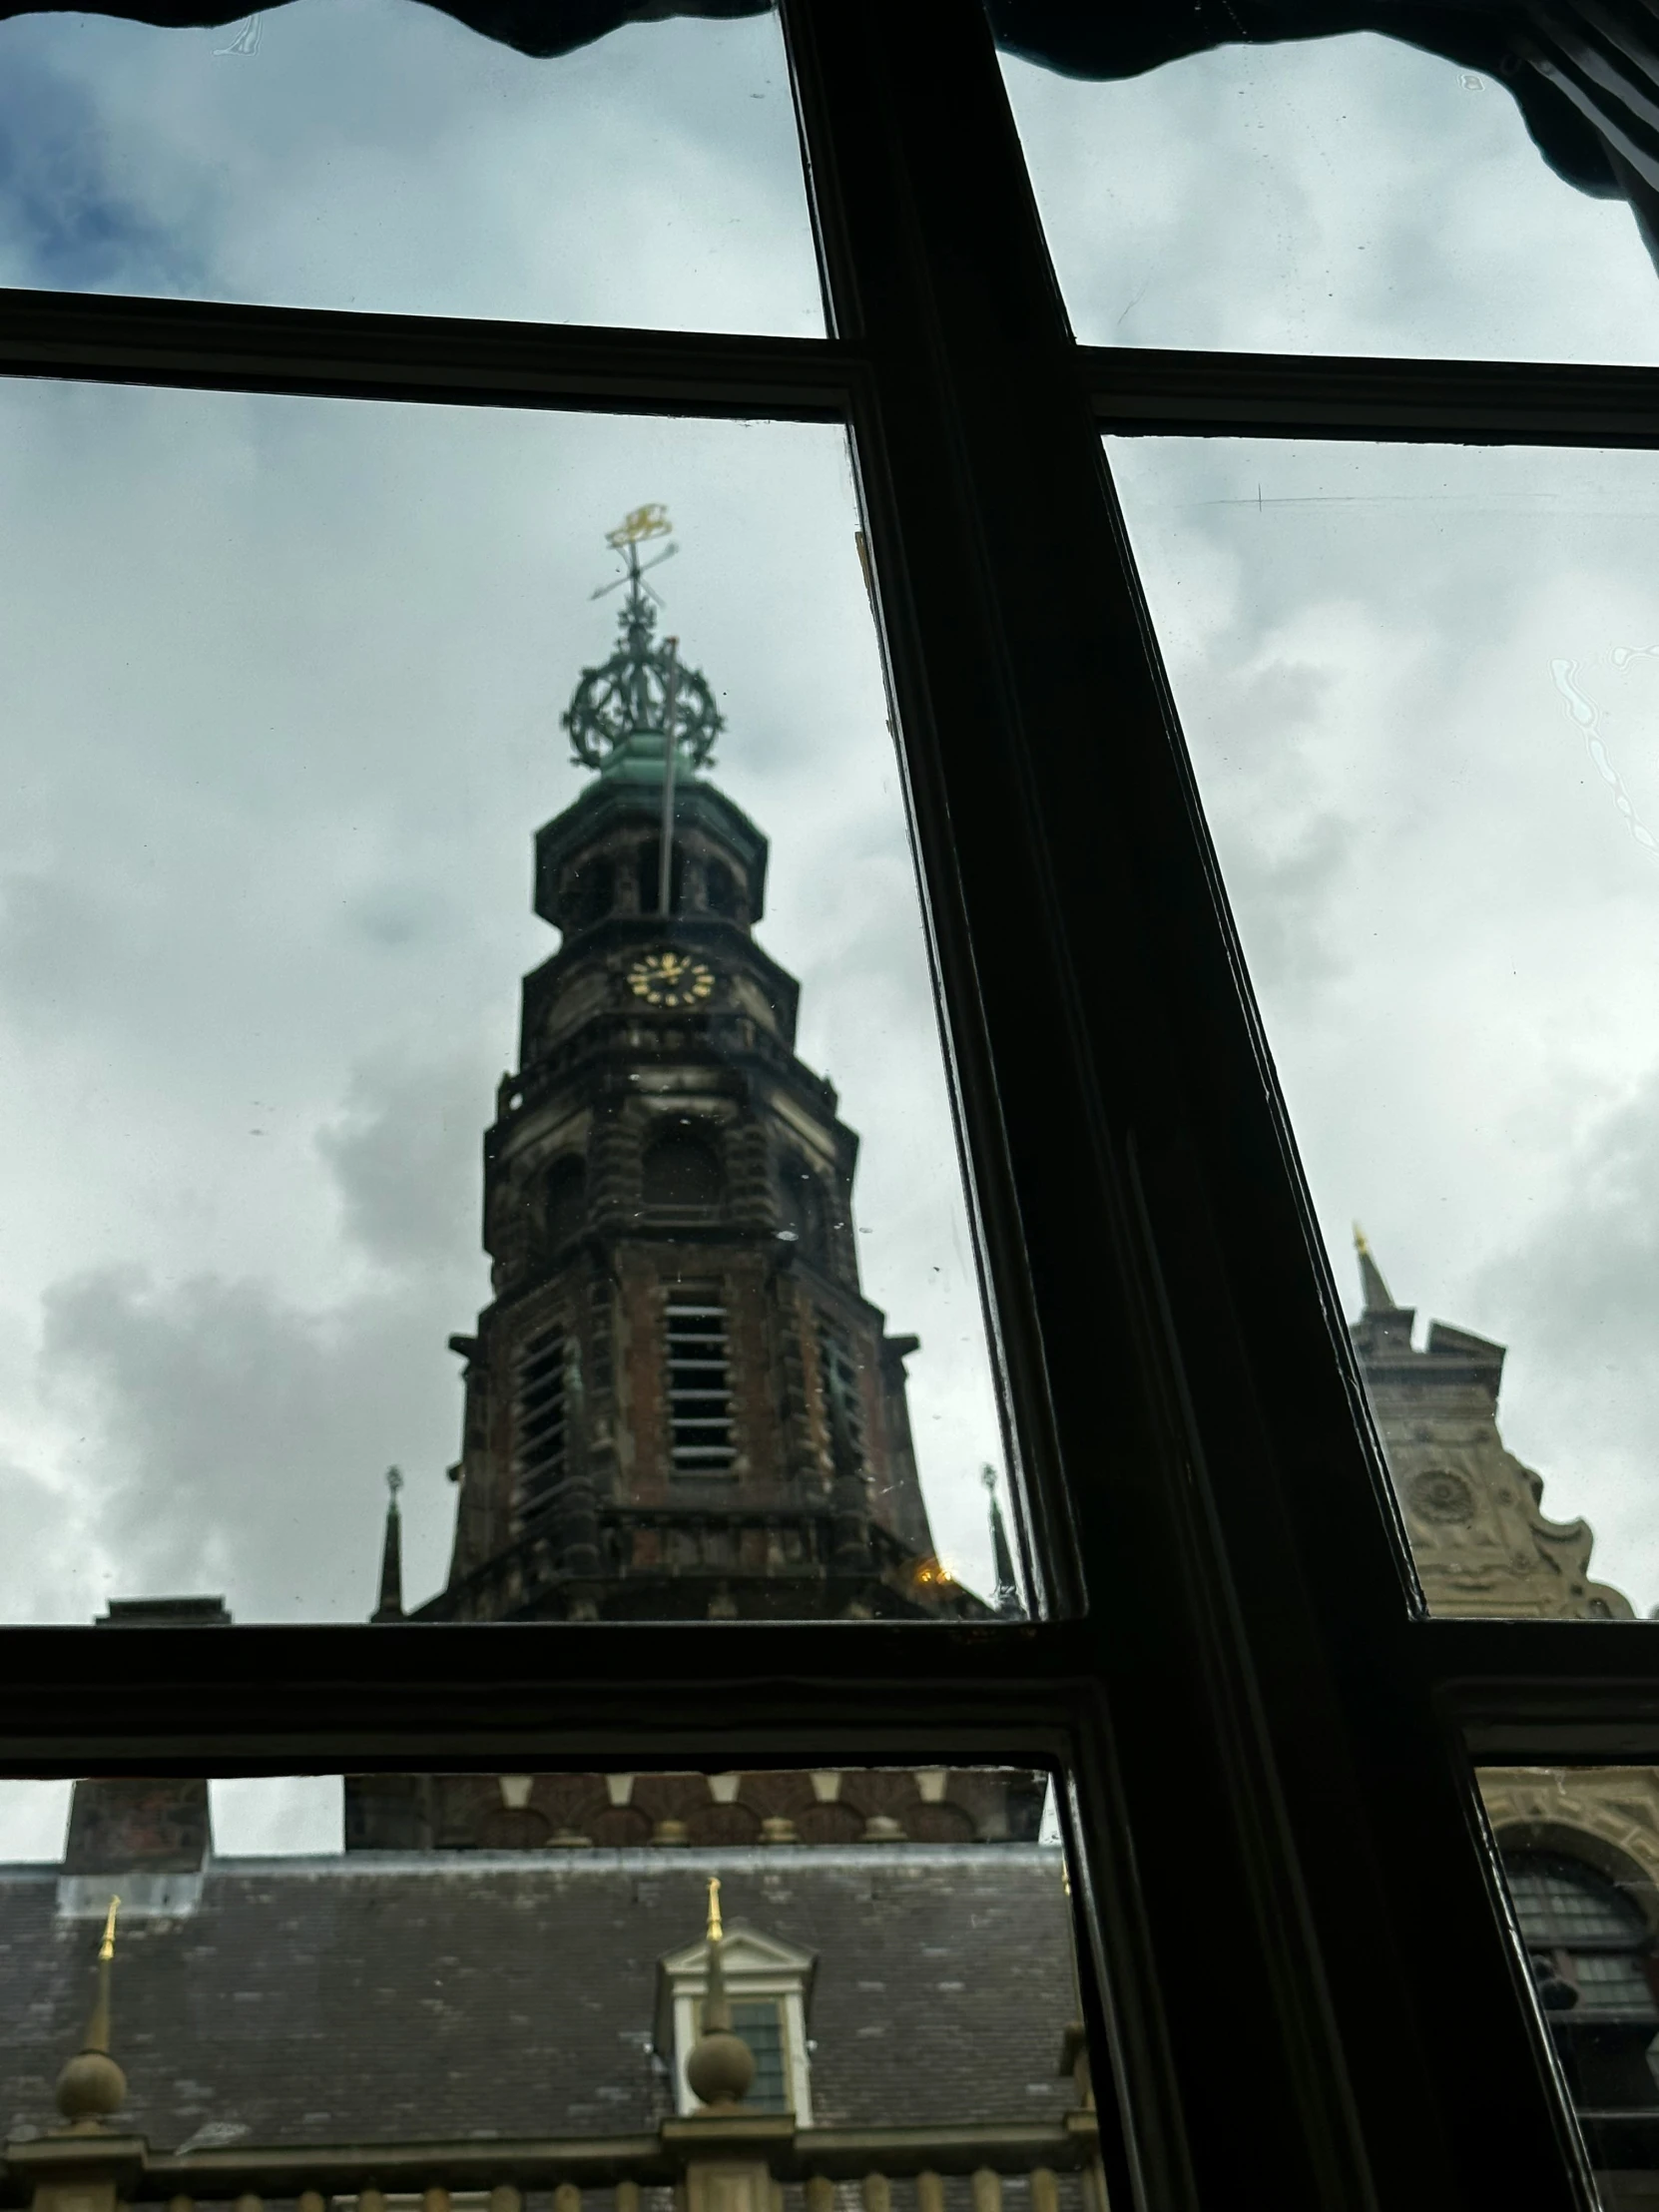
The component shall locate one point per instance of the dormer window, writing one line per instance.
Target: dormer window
(770, 1984)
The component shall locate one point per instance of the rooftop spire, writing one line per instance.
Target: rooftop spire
(390, 1607)
(1006, 1594)
(620, 711)
(1374, 1293)
(91, 2084)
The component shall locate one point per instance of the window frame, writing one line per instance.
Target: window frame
(1251, 1708)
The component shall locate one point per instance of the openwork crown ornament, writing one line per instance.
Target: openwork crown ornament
(642, 688)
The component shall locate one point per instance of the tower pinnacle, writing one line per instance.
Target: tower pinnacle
(1375, 1296)
(620, 711)
(390, 1607)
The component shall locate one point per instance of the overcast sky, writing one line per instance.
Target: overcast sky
(1422, 691)
(1394, 667)
(1347, 196)
(282, 681)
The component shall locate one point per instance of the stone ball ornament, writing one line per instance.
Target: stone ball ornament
(89, 2087)
(721, 2069)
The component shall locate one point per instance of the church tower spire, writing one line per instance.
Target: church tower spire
(1375, 1296)
(391, 1605)
(679, 1401)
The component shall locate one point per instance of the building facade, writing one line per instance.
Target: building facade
(1580, 1845)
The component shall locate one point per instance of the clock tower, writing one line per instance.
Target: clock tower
(679, 1403)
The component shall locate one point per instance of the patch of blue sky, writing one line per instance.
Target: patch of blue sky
(73, 213)
(373, 154)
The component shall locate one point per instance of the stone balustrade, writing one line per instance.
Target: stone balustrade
(715, 2162)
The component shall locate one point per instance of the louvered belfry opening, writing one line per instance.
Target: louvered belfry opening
(539, 1460)
(842, 1399)
(699, 1387)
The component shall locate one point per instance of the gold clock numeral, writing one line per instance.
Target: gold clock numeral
(670, 979)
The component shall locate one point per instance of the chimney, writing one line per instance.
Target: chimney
(145, 1837)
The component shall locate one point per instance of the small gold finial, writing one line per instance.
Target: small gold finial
(717, 1934)
(92, 2086)
(1360, 1244)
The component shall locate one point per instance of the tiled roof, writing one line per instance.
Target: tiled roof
(384, 1997)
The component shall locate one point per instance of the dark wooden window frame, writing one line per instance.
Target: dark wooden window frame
(1296, 1978)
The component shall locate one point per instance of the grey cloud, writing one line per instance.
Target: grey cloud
(233, 1439)
(1577, 1297)
(234, 1443)
(44, 1542)
(405, 1159)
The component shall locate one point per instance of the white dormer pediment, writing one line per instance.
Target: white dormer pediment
(745, 1952)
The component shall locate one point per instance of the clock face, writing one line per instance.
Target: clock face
(671, 980)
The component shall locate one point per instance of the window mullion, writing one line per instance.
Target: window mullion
(1303, 395)
(449, 360)
(1145, 1227)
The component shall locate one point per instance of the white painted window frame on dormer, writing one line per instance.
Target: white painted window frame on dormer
(754, 1966)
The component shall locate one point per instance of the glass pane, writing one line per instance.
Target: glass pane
(292, 812)
(1344, 195)
(371, 154)
(586, 1961)
(1420, 688)
(1580, 1853)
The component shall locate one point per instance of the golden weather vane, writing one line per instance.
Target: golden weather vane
(643, 522)
(106, 1949)
(717, 1934)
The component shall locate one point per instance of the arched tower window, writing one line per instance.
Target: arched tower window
(563, 1205)
(1587, 1940)
(803, 1207)
(650, 881)
(720, 889)
(681, 1171)
(592, 893)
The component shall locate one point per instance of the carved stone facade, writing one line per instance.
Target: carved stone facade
(1480, 1536)
(1580, 1845)
(703, 1812)
(1606, 1815)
